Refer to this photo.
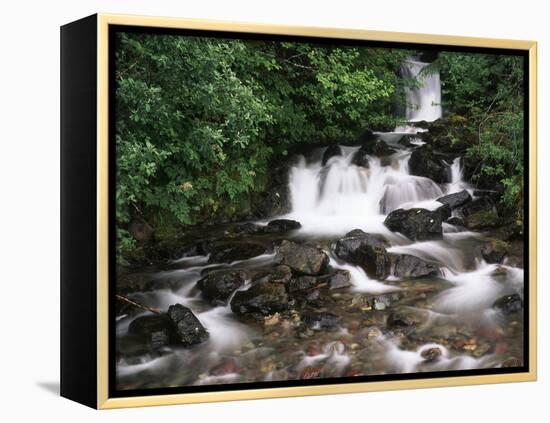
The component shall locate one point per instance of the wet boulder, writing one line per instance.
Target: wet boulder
(431, 354)
(424, 162)
(227, 252)
(509, 304)
(262, 298)
(188, 328)
(319, 320)
(275, 199)
(340, 278)
(361, 159)
(331, 151)
(482, 220)
(246, 228)
(416, 224)
(281, 226)
(407, 266)
(278, 274)
(444, 211)
(402, 318)
(481, 204)
(365, 250)
(456, 199)
(367, 136)
(155, 330)
(378, 148)
(495, 250)
(219, 286)
(302, 259)
(304, 283)
(455, 221)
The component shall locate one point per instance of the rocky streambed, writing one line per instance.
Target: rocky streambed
(267, 301)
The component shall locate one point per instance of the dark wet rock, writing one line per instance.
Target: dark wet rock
(456, 199)
(320, 320)
(444, 211)
(340, 278)
(155, 330)
(385, 161)
(415, 224)
(278, 274)
(424, 162)
(331, 151)
(509, 304)
(455, 221)
(495, 250)
(365, 250)
(367, 136)
(378, 148)
(482, 220)
(281, 226)
(405, 141)
(304, 283)
(313, 299)
(219, 286)
(263, 298)
(382, 149)
(302, 259)
(451, 135)
(402, 318)
(275, 199)
(189, 330)
(431, 354)
(361, 159)
(480, 214)
(407, 266)
(227, 252)
(247, 228)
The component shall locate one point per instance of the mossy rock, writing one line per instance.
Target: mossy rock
(482, 220)
(495, 250)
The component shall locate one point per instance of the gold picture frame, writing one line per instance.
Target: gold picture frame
(102, 398)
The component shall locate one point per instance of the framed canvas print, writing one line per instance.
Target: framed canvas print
(254, 211)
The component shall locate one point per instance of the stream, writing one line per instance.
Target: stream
(366, 325)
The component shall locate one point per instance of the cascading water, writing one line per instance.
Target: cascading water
(341, 196)
(424, 101)
(330, 200)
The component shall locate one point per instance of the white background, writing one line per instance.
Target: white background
(29, 209)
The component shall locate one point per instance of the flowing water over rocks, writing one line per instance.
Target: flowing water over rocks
(373, 271)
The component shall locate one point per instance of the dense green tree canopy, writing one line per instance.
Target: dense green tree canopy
(198, 119)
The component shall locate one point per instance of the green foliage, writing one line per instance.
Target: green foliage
(198, 119)
(488, 90)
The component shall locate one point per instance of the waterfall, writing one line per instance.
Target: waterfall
(423, 102)
(330, 198)
(341, 196)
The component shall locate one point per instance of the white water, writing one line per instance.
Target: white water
(339, 197)
(424, 102)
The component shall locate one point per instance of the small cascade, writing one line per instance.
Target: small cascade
(457, 183)
(346, 194)
(424, 101)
